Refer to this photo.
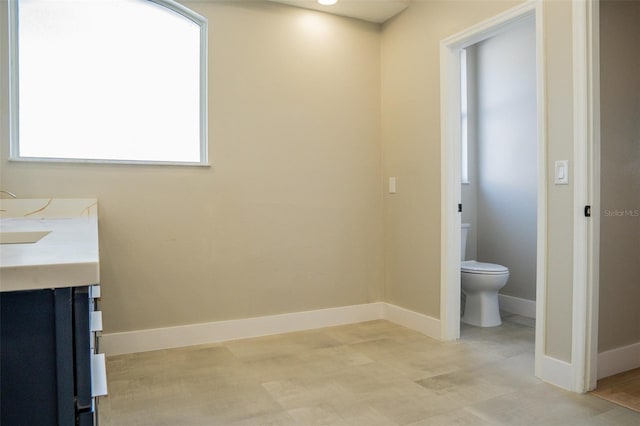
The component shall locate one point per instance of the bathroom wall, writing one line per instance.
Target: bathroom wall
(507, 151)
(289, 216)
(619, 320)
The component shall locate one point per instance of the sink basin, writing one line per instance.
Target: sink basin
(27, 237)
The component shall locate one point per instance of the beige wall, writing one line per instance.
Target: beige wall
(559, 118)
(619, 321)
(411, 144)
(289, 216)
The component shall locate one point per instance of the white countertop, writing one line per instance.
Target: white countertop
(68, 256)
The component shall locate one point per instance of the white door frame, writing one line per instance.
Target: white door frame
(586, 131)
(580, 374)
(593, 290)
(450, 151)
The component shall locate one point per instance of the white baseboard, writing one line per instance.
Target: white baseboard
(518, 306)
(556, 372)
(618, 360)
(419, 322)
(220, 331)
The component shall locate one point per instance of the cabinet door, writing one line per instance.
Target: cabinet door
(64, 356)
(30, 358)
(82, 337)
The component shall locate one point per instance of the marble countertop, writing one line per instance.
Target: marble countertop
(68, 256)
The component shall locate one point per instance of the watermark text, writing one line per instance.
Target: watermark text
(622, 213)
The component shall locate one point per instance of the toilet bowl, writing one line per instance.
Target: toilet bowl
(480, 283)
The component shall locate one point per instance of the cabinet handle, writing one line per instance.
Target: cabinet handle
(95, 321)
(98, 375)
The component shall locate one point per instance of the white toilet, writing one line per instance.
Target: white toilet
(480, 282)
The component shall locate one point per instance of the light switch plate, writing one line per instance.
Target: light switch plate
(562, 172)
(392, 185)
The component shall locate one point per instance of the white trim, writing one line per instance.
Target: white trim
(541, 249)
(424, 324)
(517, 305)
(618, 360)
(556, 372)
(222, 331)
(593, 283)
(110, 162)
(580, 193)
(585, 280)
(490, 27)
(450, 190)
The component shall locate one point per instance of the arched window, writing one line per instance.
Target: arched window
(108, 81)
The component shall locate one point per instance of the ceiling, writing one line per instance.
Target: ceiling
(376, 11)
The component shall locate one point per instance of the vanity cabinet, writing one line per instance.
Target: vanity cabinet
(46, 357)
(50, 369)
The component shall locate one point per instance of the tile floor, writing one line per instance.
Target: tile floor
(372, 373)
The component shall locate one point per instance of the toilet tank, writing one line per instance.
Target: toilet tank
(463, 241)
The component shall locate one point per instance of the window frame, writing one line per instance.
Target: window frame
(14, 97)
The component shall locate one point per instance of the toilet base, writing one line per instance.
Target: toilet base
(481, 309)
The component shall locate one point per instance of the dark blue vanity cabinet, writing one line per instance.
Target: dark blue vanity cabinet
(45, 357)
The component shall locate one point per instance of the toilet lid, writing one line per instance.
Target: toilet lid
(473, 267)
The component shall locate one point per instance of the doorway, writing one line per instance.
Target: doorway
(451, 166)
